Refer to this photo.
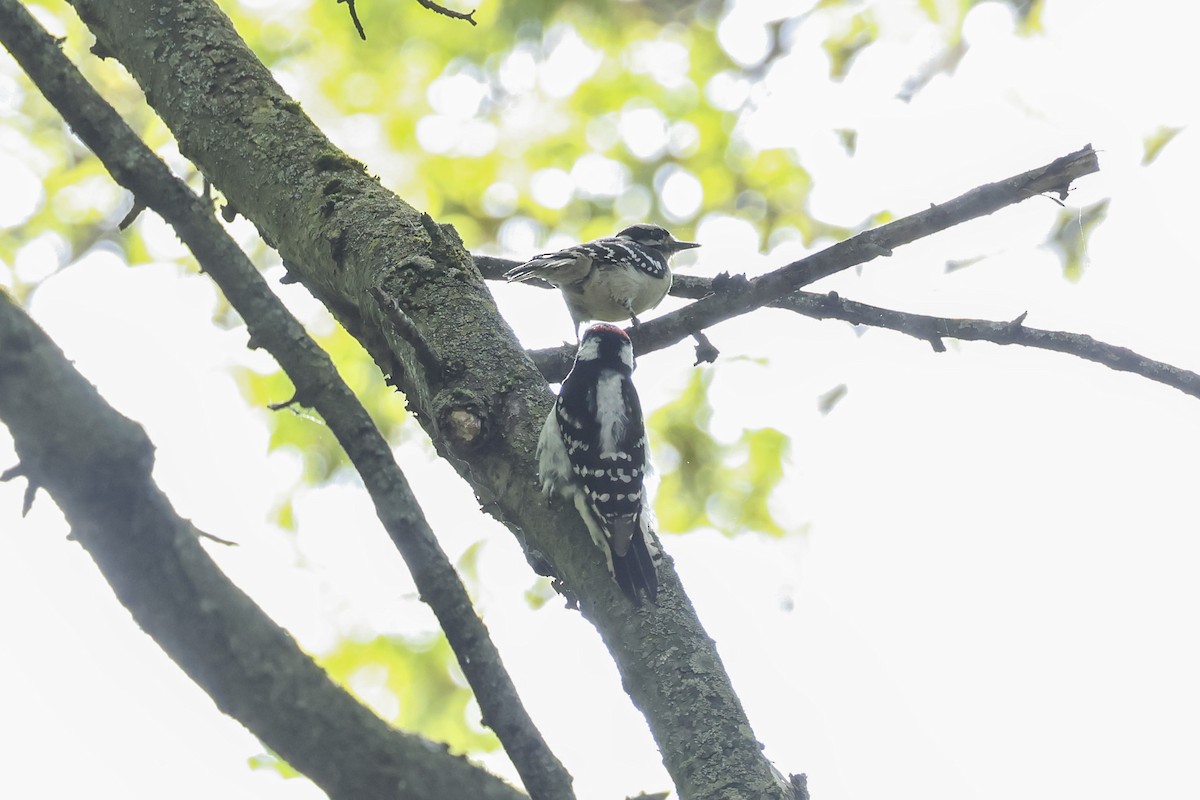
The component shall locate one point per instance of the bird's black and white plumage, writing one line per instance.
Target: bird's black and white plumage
(592, 451)
(609, 279)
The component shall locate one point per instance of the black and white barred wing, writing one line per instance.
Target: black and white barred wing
(572, 265)
(561, 268)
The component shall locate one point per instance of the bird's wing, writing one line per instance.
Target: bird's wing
(560, 268)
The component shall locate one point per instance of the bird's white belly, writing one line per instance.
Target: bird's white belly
(605, 299)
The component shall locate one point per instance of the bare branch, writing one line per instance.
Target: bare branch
(317, 383)
(932, 329)
(1055, 177)
(362, 34)
(743, 295)
(445, 12)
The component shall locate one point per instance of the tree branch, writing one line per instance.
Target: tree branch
(933, 329)
(437, 8)
(96, 464)
(743, 295)
(341, 233)
(554, 362)
(317, 384)
(1055, 177)
(362, 34)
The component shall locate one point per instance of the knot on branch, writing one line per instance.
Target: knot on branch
(461, 420)
(725, 283)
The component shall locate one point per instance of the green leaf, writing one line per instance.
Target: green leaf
(1069, 237)
(414, 684)
(1029, 16)
(302, 429)
(1153, 144)
(270, 761)
(468, 564)
(540, 593)
(284, 515)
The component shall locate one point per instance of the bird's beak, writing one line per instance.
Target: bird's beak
(678, 245)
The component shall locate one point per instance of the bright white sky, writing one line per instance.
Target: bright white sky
(992, 589)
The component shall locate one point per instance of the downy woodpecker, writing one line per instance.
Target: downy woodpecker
(592, 451)
(609, 279)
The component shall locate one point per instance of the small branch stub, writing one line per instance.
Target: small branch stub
(31, 487)
(706, 352)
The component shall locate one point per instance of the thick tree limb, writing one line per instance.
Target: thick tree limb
(96, 464)
(317, 384)
(342, 235)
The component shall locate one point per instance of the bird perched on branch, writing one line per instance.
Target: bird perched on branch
(609, 279)
(592, 451)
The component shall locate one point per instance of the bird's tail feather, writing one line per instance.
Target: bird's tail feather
(635, 572)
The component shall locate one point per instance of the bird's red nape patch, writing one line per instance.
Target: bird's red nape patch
(607, 327)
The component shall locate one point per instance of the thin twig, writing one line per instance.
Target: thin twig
(362, 34)
(920, 326)
(933, 329)
(445, 12)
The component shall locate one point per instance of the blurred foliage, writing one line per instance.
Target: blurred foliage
(300, 428)
(1153, 144)
(79, 206)
(413, 684)
(541, 592)
(854, 34)
(1071, 233)
(269, 760)
(829, 400)
(709, 483)
(951, 13)
(955, 264)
